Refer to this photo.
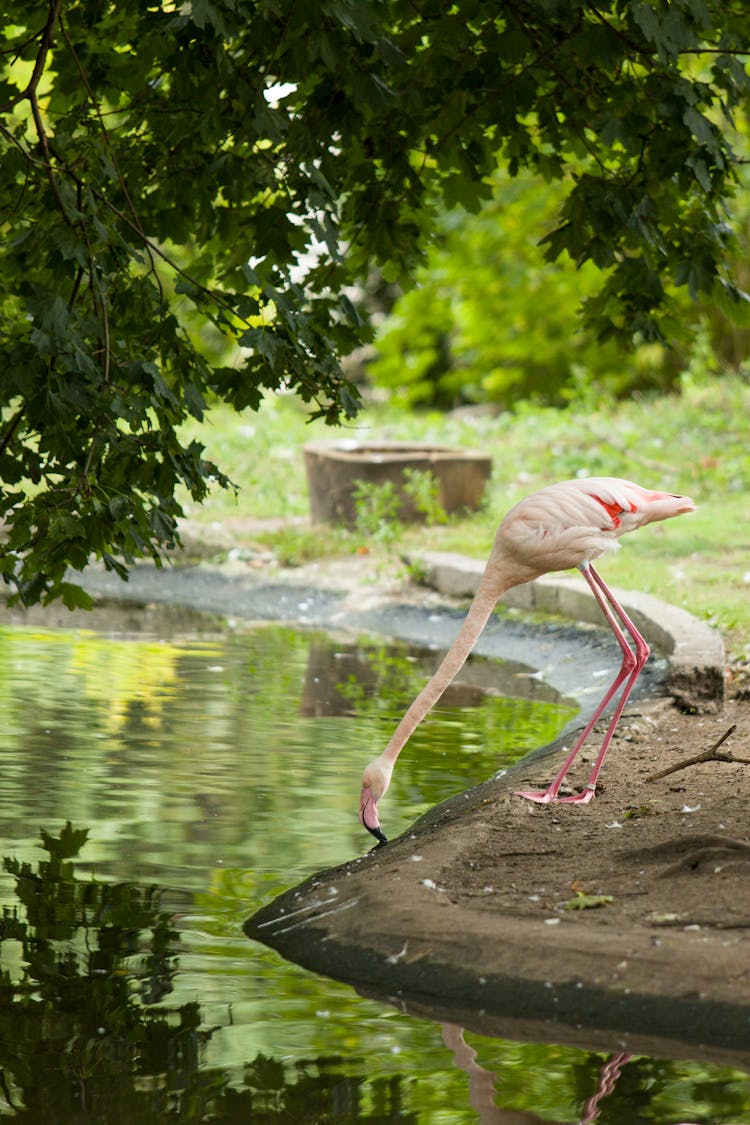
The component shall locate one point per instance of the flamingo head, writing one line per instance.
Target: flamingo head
(375, 781)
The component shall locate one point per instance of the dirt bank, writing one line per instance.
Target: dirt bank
(561, 922)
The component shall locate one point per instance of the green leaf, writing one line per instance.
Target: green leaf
(701, 171)
(583, 901)
(701, 128)
(645, 15)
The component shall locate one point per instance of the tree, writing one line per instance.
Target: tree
(179, 179)
(490, 320)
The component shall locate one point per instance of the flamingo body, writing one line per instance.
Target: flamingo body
(563, 526)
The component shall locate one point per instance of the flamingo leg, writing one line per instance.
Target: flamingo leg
(632, 664)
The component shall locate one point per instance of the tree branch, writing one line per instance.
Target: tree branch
(12, 427)
(31, 92)
(710, 755)
(44, 46)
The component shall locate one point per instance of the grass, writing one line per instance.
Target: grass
(697, 443)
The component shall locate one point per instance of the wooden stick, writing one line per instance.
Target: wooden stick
(709, 755)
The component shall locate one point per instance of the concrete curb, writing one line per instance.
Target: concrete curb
(694, 650)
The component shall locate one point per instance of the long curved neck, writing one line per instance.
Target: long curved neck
(490, 589)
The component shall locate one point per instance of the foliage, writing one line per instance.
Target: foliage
(490, 320)
(178, 180)
(376, 509)
(423, 489)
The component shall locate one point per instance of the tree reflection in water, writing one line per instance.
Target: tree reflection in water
(83, 965)
(78, 1031)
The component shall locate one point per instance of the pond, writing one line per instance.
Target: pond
(203, 771)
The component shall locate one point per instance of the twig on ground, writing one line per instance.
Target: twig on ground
(710, 755)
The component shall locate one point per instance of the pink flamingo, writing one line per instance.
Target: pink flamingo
(560, 527)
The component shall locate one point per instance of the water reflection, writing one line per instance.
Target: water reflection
(207, 752)
(90, 1031)
(213, 772)
(485, 1098)
(84, 965)
(341, 679)
(482, 1085)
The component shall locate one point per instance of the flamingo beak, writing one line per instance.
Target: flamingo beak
(368, 814)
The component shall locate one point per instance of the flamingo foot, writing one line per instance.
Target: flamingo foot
(548, 797)
(543, 797)
(582, 798)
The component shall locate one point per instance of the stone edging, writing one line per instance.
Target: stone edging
(694, 650)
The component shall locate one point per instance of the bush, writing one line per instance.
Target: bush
(490, 320)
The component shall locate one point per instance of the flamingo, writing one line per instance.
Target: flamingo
(563, 526)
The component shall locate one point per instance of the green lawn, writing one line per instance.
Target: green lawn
(697, 443)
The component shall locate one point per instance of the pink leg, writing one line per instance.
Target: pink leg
(632, 663)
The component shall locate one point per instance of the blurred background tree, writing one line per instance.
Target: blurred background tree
(491, 320)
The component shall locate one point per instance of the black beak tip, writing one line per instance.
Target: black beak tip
(379, 835)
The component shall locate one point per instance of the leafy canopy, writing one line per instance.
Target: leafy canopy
(183, 181)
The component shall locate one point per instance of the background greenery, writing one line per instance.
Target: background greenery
(491, 319)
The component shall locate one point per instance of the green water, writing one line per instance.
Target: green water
(212, 773)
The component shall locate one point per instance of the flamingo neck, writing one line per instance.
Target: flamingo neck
(490, 589)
